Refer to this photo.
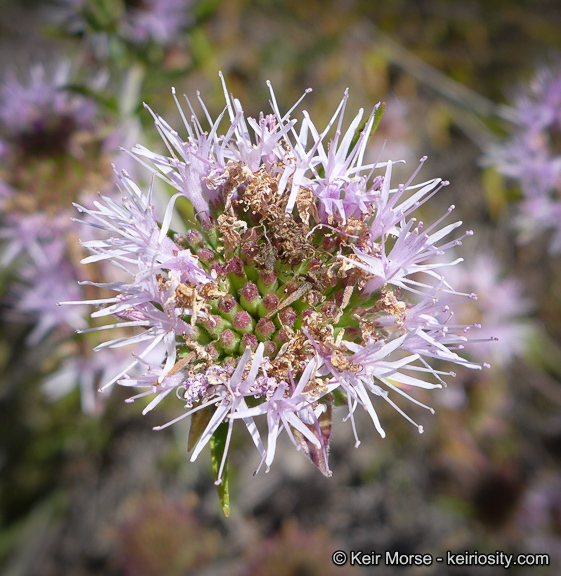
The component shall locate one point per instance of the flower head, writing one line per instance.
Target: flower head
(55, 151)
(38, 113)
(532, 157)
(300, 281)
(500, 305)
(160, 22)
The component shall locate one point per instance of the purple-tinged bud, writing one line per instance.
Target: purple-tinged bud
(282, 337)
(249, 292)
(249, 297)
(267, 281)
(208, 224)
(181, 240)
(229, 341)
(194, 238)
(243, 322)
(227, 307)
(218, 270)
(215, 325)
(236, 273)
(290, 287)
(235, 267)
(270, 349)
(248, 252)
(265, 329)
(288, 316)
(248, 341)
(270, 302)
(206, 255)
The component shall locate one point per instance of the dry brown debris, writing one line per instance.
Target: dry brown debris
(389, 304)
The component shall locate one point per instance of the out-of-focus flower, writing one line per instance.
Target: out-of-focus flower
(162, 22)
(497, 322)
(532, 156)
(539, 516)
(288, 293)
(40, 114)
(56, 151)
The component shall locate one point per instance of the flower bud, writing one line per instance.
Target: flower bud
(214, 325)
(205, 255)
(267, 281)
(229, 341)
(227, 307)
(265, 329)
(270, 349)
(288, 316)
(249, 297)
(248, 341)
(236, 273)
(269, 303)
(243, 322)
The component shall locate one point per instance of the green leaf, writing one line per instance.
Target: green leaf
(217, 446)
(340, 397)
(378, 113)
(199, 421)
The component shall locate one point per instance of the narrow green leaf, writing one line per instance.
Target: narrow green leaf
(217, 446)
(378, 113)
(199, 421)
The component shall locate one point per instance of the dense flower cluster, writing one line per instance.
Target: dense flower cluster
(300, 282)
(532, 156)
(55, 150)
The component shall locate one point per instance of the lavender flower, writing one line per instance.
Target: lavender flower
(161, 22)
(539, 515)
(56, 151)
(500, 305)
(532, 157)
(37, 111)
(288, 290)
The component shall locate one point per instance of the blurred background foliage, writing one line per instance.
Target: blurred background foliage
(104, 495)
